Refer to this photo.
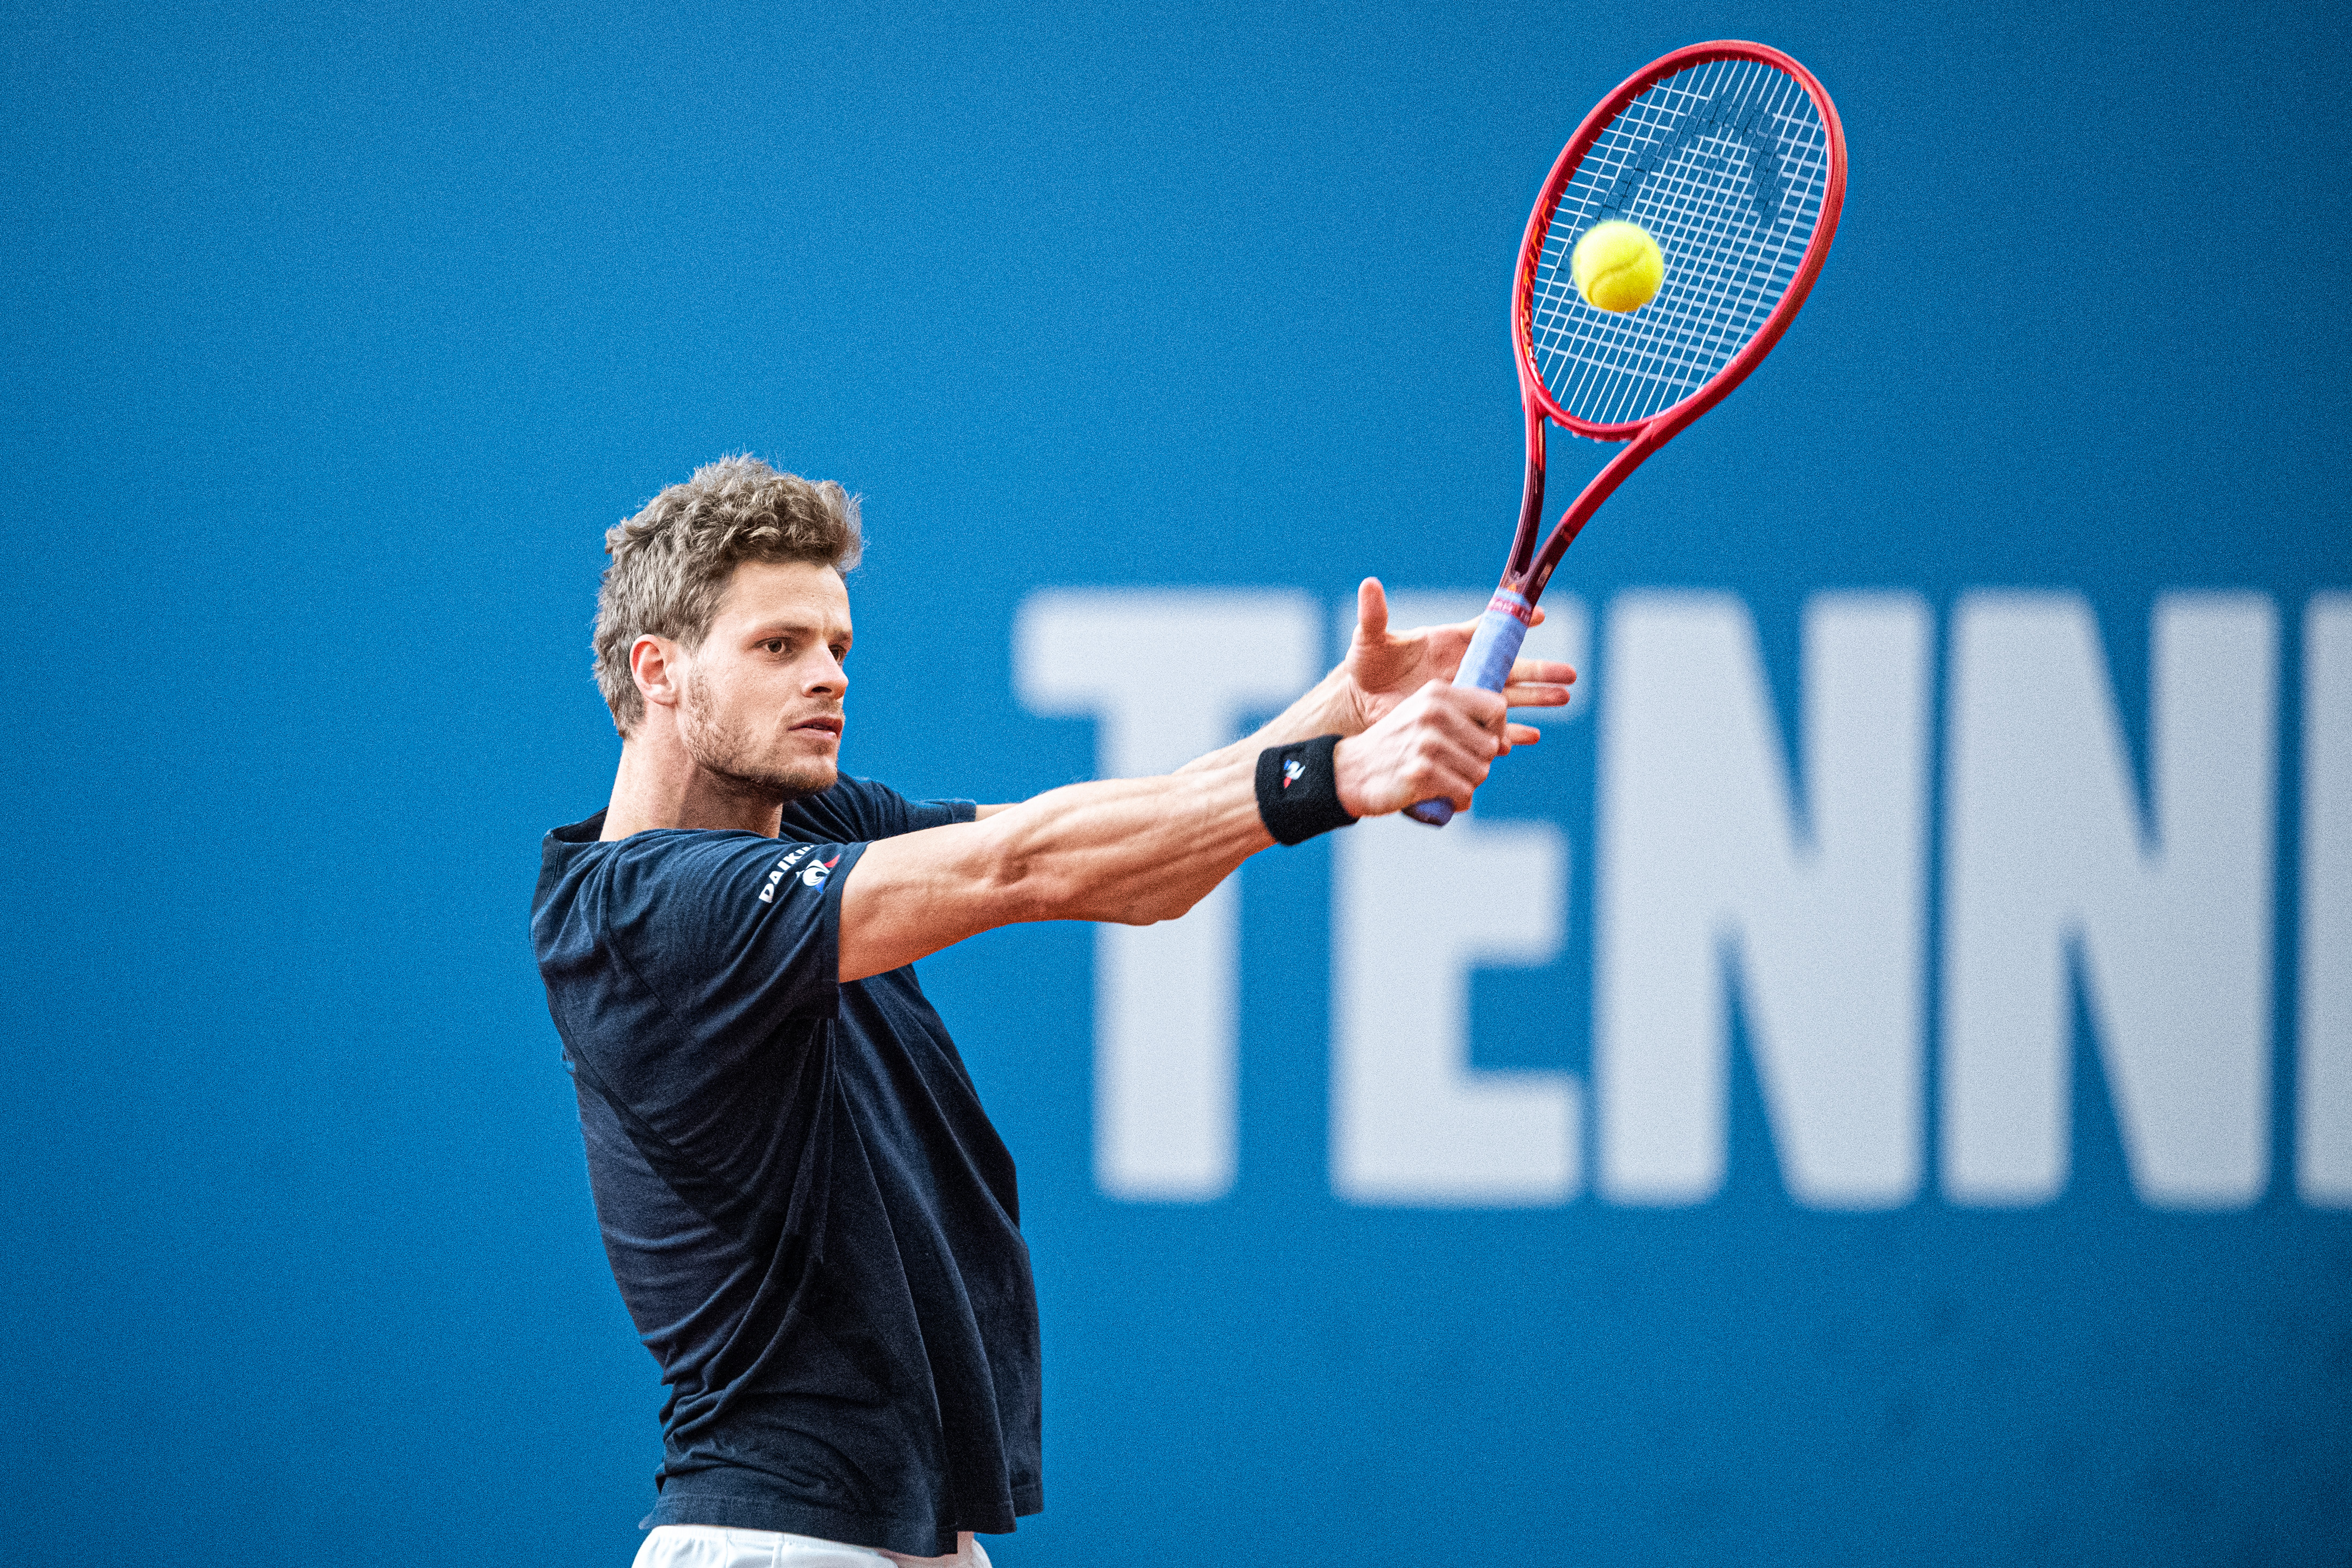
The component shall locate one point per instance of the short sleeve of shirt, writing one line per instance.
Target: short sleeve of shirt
(736, 931)
(861, 809)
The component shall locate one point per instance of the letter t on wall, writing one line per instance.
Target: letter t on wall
(1166, 676)
(1414, 1123)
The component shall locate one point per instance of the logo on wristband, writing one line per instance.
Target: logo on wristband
(1291, 815)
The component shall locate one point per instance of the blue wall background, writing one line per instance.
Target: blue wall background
(335, 336)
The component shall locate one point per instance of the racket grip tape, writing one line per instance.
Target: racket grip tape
(1494, 648)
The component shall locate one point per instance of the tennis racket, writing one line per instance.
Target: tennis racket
(1731, 157)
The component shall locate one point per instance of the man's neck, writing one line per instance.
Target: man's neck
(658, 785)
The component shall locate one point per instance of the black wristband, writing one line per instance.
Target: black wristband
(1297, 792)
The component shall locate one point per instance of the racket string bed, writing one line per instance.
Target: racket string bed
(1725, 165)
(1618, 376)
(1684, 133)
(1611, 375)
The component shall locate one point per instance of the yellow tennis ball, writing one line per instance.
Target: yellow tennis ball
(1617, 266)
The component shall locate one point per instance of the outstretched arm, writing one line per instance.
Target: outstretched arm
(1383, 668)
(1139, 850)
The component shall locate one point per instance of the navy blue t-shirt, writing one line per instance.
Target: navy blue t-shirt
(812, 1221)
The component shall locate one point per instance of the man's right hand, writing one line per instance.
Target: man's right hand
(1437, 744)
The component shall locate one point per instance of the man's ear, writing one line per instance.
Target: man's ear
(658, 671)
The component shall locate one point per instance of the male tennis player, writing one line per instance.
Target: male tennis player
(813, 1223)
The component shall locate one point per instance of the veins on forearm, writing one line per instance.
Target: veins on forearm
(1132, 851)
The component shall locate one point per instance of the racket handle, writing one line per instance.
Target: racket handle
(1494, 648)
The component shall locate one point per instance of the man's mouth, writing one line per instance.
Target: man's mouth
(829, 723)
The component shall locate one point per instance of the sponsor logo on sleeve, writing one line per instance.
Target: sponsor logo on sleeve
(768, 893)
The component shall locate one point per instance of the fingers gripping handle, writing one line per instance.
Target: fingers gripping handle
(1494, 648)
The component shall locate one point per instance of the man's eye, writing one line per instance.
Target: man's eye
(774, 644)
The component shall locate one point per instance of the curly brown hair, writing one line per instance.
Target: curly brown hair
(672, 561)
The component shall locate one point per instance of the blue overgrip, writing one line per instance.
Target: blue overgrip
(1494, 648)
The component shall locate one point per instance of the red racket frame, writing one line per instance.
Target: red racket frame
(1527, 571)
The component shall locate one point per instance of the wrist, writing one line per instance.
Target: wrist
(1348, 777)
(1297, 790)
(1334, 706)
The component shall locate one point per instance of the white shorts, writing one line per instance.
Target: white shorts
(712, 1546)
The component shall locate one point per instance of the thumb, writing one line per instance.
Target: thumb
(1371, 610)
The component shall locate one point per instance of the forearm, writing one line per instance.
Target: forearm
(1131, 851)
(1138, 850)
(1329, 708)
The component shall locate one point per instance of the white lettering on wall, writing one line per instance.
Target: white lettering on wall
(2323, 1067)
(1411, 1121)
(1166, 676)
(2049, 852)
(1729, 870)
(1708, 876)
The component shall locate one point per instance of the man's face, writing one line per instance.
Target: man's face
(760, 703)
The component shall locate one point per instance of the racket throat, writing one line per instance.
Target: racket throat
(1531, 495)
(1528, 581)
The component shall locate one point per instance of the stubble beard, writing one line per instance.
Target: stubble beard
(725, 751)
